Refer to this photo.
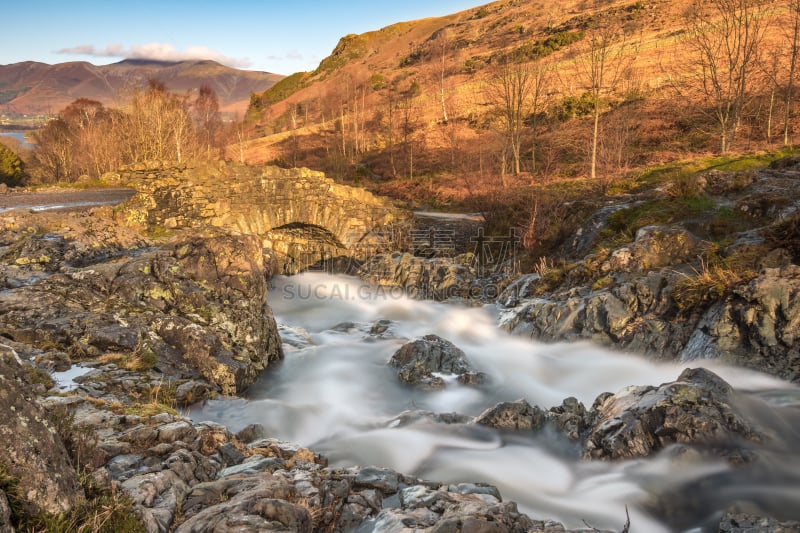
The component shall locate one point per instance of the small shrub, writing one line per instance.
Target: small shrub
(474, 64)
(105, 511)
(543, 267)
(10, 487)
(574, 107)
(37, 376)
(554, 276)
(12, 170)
(377, 81)
(684, 186)
(622, 225)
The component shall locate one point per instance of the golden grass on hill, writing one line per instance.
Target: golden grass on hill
(355, 119)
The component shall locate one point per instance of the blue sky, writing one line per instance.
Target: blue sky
(280, 37)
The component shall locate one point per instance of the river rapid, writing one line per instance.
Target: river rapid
(335, 394)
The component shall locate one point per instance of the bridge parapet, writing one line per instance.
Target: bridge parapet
(292, 210)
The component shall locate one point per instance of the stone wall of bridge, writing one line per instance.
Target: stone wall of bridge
(301, 215)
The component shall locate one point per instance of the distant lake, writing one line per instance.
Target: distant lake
(18, 135)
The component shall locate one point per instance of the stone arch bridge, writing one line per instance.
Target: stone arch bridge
(301, 216)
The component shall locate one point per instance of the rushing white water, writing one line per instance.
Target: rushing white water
(335, 393)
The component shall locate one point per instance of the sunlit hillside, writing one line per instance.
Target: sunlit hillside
(413, 109)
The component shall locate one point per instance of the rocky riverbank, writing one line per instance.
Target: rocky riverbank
(157, 323)
(691, 290)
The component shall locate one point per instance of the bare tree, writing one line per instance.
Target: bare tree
(724, 36)
(794, 51)
(607, 57)
(159, 126)
(510, 91)
(442, 48)
(206, 107)
(54, 150)
(391, 104)
(540, 99)
(80, 141)
(242, 136)
(769, 65)
(409, 122)
(292, 112)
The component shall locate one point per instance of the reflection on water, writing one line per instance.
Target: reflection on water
(334, 392)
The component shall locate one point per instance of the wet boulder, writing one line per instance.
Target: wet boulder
(195, 308)
(522, 288)
(571, 418)
(697, 408)
(513, 416)
(758, 327)
(419, 361)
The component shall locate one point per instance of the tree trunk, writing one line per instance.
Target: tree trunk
(441, 91)
(595, 134)
(769, 114)
(795, 7)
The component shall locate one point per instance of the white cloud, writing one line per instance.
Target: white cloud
(158, 52)
(291, 55)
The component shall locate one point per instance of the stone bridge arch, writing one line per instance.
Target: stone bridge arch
(294, 211)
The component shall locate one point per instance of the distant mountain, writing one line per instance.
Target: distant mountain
(35, 88)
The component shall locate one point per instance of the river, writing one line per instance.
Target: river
(335, 393)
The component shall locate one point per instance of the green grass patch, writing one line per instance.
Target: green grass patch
(622, 225)
(731, 163)
(543, 48)
(281, 90)
(159, 232)
(350, 47)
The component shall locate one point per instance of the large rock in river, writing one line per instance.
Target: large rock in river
(697, 408)
(420, 360)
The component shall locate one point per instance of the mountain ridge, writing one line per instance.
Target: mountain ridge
(32, 87)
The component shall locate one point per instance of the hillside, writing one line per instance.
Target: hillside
(413, 106)
(38, 88)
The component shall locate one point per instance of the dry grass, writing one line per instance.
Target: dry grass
(160, 399)
(711, 282)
